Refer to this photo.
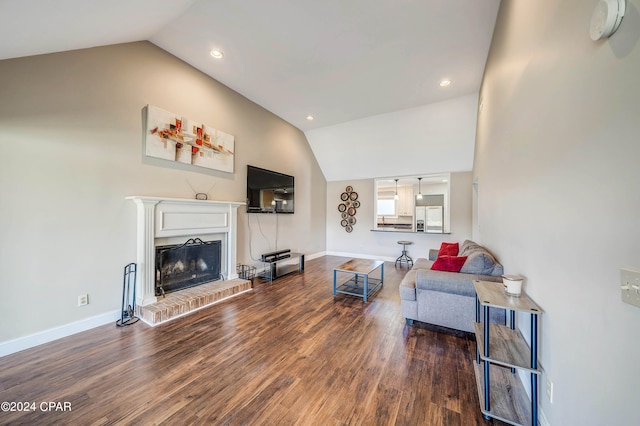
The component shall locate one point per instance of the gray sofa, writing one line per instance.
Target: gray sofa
(448, 299)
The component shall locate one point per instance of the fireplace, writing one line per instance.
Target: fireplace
(164, 221)
(186, 265)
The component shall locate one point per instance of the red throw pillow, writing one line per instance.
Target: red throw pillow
(448, 249)
(449, 263)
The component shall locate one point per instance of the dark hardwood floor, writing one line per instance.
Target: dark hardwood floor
(285, 353)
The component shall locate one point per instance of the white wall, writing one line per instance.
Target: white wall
(557, 165)
(71, 141)
(432, 138)
(363, 242)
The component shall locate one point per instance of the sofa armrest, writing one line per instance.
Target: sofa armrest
(450, 282)
(422, 263)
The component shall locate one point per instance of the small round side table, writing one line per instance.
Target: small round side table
(404, 257)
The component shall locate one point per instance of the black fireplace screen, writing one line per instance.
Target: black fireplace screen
(186, 265)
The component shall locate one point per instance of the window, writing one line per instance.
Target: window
(386, 207)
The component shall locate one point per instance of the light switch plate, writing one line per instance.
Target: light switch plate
(630, 286)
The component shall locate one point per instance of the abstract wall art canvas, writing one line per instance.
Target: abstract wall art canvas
(172, 137)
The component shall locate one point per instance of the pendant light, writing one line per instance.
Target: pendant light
(396, 196)
(419, 197)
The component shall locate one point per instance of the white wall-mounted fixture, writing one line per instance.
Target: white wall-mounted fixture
(606, 18)
(630, 286)
(83, 299)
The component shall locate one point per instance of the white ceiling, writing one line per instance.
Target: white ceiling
(338, 60)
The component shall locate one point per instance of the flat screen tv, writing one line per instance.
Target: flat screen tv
(269, 191)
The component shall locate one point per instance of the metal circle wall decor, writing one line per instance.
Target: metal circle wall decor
(347, 208)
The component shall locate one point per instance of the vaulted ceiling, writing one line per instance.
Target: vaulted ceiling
(335, 60)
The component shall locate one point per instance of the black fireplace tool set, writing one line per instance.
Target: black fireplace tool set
(128, 314)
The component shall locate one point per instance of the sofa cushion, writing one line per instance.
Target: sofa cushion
(408, 286)
(448, 249)
(479, 261)
(433, 254)
(446, 282)
(449, 282)
(448, 263)
(467, 246)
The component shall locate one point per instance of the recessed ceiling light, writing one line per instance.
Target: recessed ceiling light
(445, 83)
(217, 53)
(310, 117)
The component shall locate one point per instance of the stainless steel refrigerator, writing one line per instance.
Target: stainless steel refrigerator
(429, 219)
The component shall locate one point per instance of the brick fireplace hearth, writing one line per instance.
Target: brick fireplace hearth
(182, 302)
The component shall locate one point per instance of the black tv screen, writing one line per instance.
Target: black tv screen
(269, 191)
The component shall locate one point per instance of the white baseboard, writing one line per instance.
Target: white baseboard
(361, 256)
(26, 342)
(314, 255)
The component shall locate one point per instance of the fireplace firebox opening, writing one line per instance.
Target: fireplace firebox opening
(186, 265)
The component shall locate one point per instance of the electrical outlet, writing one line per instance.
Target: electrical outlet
(83, 299)
(549, 390)
(630, 286)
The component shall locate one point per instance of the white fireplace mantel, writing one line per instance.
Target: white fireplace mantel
(176, 217)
